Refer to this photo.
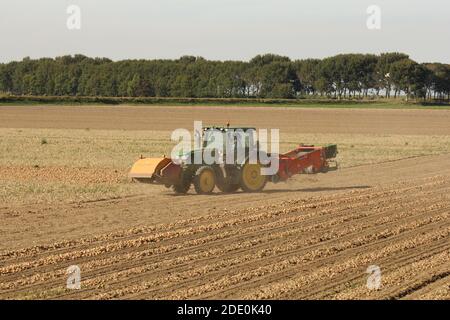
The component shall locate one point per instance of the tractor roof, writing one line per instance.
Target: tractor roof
(227, 128)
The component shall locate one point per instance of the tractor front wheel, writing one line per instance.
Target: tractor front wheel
(226, 187)
(181, 188)
(205, 180)
(224, 184)
(184, 185)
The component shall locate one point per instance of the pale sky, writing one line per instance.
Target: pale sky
(223, 29)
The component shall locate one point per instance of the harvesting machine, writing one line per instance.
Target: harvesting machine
(230, 177)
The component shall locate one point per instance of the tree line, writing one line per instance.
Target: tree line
(389, 75)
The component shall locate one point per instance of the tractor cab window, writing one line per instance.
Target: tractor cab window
(231, 139)
(241, 140)
(210, 137)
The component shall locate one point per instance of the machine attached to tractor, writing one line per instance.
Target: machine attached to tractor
(239, 173)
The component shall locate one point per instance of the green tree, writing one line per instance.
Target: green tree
(383, 70)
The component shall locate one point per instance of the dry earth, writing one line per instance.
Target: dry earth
(314, 237)
(290, 120)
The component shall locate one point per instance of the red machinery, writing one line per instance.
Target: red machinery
(308, 160)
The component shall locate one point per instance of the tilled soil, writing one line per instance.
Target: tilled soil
(288, 120)
(59, 173)
(313, 238)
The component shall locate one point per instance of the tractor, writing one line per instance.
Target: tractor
(233, 167)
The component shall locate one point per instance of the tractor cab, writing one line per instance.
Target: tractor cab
(237, 137)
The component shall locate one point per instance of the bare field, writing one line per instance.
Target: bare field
(79, 165)
(290, 120)
(65, 200)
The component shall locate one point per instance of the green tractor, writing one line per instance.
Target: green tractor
(227, 176)
(228, 166)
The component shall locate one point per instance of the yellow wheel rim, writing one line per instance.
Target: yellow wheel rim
(207, 181)
(252, 177)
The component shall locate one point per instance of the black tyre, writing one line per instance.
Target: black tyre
(181, 188)
(228, 187)
(184, 186)
(224, 184)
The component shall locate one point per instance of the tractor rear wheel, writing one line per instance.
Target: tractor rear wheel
(205, 180)
(251, 178)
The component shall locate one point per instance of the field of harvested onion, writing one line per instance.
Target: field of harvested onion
(66, 200)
